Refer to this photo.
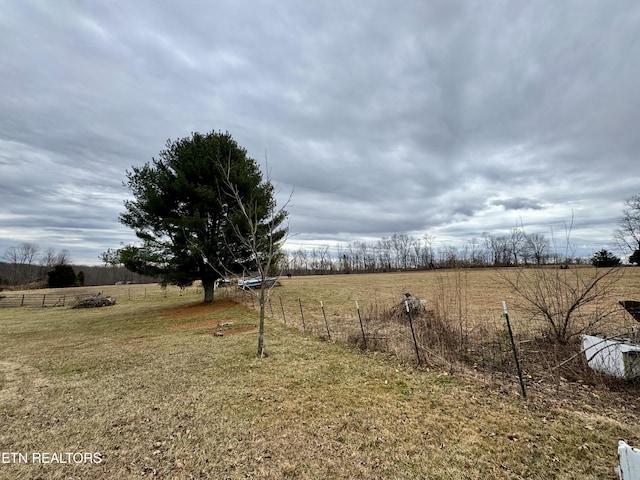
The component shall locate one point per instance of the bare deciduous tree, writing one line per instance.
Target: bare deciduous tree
(302, 257)
(628, 232)
(516, 242)
(538, 247)
(262, 240)
(561, 296)
(324, 259)
(401, 245)
(383, 248)
(498, 248)
(21, 258)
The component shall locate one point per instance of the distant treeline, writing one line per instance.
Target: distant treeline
(35, 276)
(388, 254)
(405, 252)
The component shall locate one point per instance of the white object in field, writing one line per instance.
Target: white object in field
(613, 357)
(255, 282)
(629, 468)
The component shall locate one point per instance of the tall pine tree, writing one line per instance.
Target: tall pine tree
(183, 215)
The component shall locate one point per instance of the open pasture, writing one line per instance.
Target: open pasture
(151, 386)
(475, 294)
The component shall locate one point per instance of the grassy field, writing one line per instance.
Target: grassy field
(167, 387)
(475, 294)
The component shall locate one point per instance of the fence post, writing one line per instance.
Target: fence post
(515, 352)
(43, 297)
(304, 327)
(413, 333)
(282, 308)
(364, 339)
(22, 302)
(325, 320)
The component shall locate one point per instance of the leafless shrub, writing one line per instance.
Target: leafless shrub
(570, 301)
(389, 329)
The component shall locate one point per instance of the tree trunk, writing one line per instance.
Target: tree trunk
(261, 352)
(208, 285)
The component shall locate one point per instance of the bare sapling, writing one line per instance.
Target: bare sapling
(260, 234)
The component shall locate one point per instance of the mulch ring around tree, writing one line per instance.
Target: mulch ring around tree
(219, 327)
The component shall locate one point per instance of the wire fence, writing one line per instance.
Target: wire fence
(32, 300)
(441, 332)
(436, 335)
(69, 297)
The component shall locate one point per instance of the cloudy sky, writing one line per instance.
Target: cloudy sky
(420, 117)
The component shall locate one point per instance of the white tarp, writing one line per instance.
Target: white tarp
(613, 357)
(629, 468)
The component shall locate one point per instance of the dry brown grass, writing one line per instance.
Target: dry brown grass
(467, 302)
(164, 402)
(473, 295)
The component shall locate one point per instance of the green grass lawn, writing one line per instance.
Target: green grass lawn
(152, 389)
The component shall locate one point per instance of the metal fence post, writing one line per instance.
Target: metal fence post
(364, 338)
(304, 327)
(413, 333)
(326, 324)
(515, 352)
(282, 308)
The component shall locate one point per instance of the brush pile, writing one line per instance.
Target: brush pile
(94, 301)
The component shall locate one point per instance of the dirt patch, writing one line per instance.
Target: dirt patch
(202, 308)
(223, 330)
(192, 325)
(19, 382)
(218, 327)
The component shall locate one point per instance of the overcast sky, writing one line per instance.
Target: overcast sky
(447, 118)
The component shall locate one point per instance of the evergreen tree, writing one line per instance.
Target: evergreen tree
(183, 213)
(604, 258)
(61, 276)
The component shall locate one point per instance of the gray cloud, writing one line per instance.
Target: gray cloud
(426, 117)
(518, 203)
